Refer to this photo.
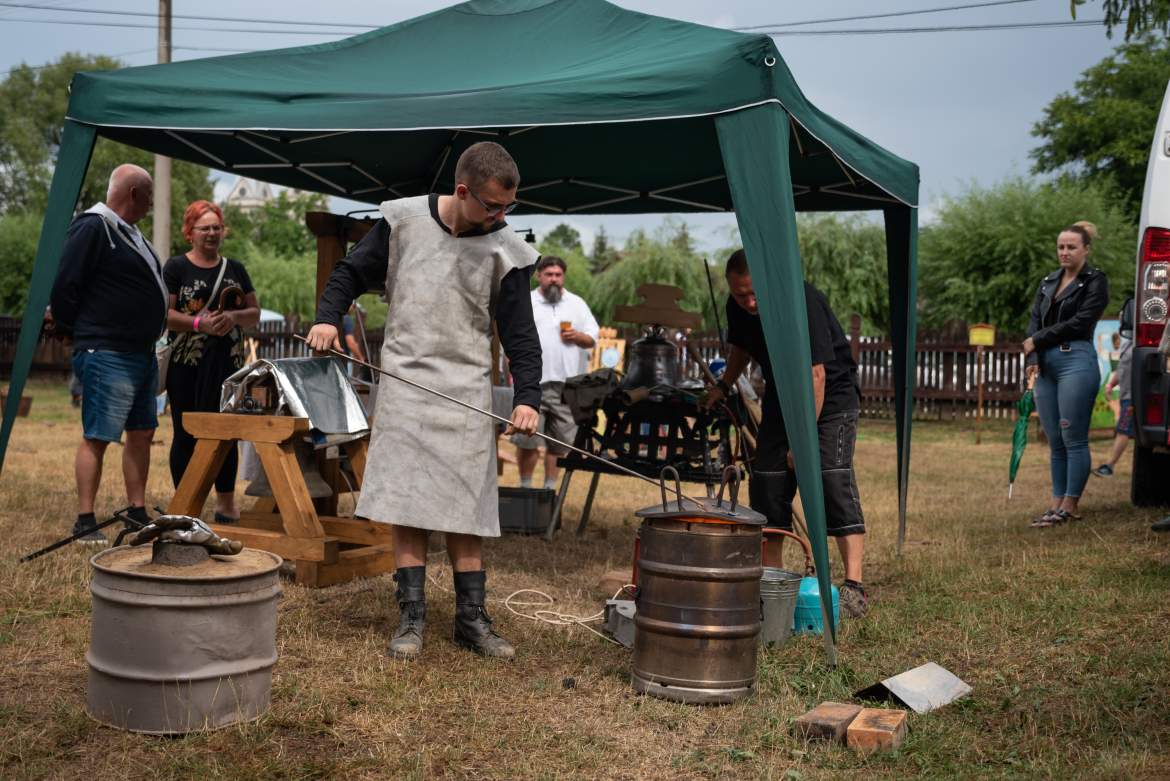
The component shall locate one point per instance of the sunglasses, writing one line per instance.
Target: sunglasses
(508, 209)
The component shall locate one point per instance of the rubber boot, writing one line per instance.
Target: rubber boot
(473, 627)
(407, 642)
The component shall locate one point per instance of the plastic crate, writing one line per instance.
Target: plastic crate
(526, 510)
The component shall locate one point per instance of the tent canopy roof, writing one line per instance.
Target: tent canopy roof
(606, 111)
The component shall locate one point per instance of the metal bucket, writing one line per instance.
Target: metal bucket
(178, 649)
(698, 615)
(778, 592)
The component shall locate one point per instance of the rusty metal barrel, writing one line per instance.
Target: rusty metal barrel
(178, 649)
(698, 601)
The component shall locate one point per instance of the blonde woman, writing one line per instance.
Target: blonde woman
(1060, 357)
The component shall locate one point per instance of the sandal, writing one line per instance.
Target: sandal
(1064, 516)
(1049, 518)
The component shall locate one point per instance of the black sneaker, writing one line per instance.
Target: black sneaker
(1103, 471)
(92, 536)
(1162, 525)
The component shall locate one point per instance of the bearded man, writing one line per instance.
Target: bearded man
(567, 331)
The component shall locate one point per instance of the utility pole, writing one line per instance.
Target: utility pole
(162, 165)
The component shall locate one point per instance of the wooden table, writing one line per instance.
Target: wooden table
(326, 549)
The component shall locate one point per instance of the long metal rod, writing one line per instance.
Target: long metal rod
(715, 309)
(502, 419)
(120, 515)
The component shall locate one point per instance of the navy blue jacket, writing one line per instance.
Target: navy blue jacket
(105, 295)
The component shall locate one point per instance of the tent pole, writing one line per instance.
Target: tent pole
(755, 147)
(902, 273)
(72, 161)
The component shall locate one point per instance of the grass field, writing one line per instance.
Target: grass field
(1061, 632)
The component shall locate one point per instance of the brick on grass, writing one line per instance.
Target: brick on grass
(827, 721)
(877, 729)
(611, 581)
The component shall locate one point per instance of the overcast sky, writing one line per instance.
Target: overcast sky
(961, 104)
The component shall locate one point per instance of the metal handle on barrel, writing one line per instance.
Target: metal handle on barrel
(677, 487)
(733, 481)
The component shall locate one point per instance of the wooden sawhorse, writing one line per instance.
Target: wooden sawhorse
(327, 550)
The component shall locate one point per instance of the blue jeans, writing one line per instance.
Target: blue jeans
(1065, 392)
(117, 392)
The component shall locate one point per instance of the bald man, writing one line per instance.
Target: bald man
(110, 296)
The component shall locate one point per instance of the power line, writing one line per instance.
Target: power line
(248, 20)
(941, 29)
(876, 16)
(334, 33)
(189, 16)
(51, 64)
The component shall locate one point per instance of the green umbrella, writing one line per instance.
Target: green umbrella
(1025, 406)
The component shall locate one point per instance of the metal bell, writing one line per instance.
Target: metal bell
(306, 460)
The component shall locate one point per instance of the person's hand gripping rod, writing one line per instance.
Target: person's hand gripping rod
(500, 418)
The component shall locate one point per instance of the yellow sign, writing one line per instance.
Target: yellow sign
(981, 335)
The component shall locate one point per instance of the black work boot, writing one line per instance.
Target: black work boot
(473, 627)
(407, 642)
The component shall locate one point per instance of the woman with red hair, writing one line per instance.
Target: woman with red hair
(211, 301)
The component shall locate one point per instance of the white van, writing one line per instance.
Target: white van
(1151, 384)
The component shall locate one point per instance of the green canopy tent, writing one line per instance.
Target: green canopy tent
(606, 110)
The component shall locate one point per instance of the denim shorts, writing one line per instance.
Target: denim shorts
(117, 392)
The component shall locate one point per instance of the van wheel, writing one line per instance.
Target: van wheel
(1149, 486)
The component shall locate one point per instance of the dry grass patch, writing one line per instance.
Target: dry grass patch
(1062, 633)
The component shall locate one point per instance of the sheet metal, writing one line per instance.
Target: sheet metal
(313, 388)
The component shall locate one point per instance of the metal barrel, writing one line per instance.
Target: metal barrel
(778, 591)
(171, 654)
(698, 610)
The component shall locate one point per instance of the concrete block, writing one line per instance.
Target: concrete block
(827, 721)
(877, 729)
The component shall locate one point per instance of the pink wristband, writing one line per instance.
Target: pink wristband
(196, 323)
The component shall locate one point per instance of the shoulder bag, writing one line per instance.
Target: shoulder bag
(162, 353)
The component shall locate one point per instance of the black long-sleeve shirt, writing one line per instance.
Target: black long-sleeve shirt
(365, 268)
(1071, 316)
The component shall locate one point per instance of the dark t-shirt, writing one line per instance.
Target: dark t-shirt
(827, 345)
(192, 287)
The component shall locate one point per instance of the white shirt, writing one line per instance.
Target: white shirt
(561, 359)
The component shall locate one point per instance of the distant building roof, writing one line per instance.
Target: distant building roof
(248, 194)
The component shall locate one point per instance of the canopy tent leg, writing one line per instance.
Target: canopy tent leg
(902, 271)
(72, 162)
(754, 143)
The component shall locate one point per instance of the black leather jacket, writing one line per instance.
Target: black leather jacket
(1079, 307)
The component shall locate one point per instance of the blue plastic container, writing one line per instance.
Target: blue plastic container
(808, 617)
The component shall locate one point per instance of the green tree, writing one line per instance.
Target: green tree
(283, 284)
(1139, 16)
(1103, 131)
(278, 226)
(564, 236)
(984, 256)
(32, 110)
(663, 258)
(603, 255)
(19, 233)
(845, 258)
